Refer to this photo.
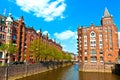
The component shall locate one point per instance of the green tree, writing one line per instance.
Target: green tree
(11, 49)
(8, 48)
(37, 49)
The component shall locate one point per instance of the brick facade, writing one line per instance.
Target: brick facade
(98, 43)
(21, 36)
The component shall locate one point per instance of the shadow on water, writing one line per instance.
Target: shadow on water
(72, 73)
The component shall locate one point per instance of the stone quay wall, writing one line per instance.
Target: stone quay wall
(96, 67)
(19, 71)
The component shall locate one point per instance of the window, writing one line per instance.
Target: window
(101, 42)
(106, 30)
(110, 30)
(84, 30)
(85, 43)
(101, 52)
(100, 35)
(0, 28)
(100, 29)
(101, 46)
(8, 30)
(110, 40)
(14, 37)
(93, 59)
(110, 34)
(109, 54)
(92, 34)
(0, 54)
(111, 49)
(101, 59)
(85, 51)
(86, 59)
(111, 44)
(91, 42)
(93, 52)
(3, 29)
(2, 37)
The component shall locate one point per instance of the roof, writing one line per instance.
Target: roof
(106, 13)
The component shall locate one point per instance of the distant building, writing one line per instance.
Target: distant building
(98, 44)
(73, 56)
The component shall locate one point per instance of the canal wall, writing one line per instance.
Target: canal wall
(96, 67)
(116, 69)
(19, 71)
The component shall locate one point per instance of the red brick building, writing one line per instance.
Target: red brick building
(98, 44)
(21, 36)
(119, 52)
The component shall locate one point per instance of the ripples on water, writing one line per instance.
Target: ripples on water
(72, 73)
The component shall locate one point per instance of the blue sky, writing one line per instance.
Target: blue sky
(60, 18)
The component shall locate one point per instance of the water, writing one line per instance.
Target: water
(72, 73)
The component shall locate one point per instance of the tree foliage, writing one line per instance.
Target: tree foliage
(40, 49)
(9, 48)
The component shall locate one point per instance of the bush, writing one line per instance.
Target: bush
(119, 57)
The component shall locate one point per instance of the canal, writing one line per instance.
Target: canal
(71, 73)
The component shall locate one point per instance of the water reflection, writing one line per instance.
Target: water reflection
(97, 76)
(72, 73)
(67, 73)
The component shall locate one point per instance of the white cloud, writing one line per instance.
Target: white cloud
(68, 40)
(64, 47)
(38, 31)
(47, 9)
(46, 32)
(65, 35)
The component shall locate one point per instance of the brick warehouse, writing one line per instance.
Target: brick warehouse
(98, 45)
(21, 36)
